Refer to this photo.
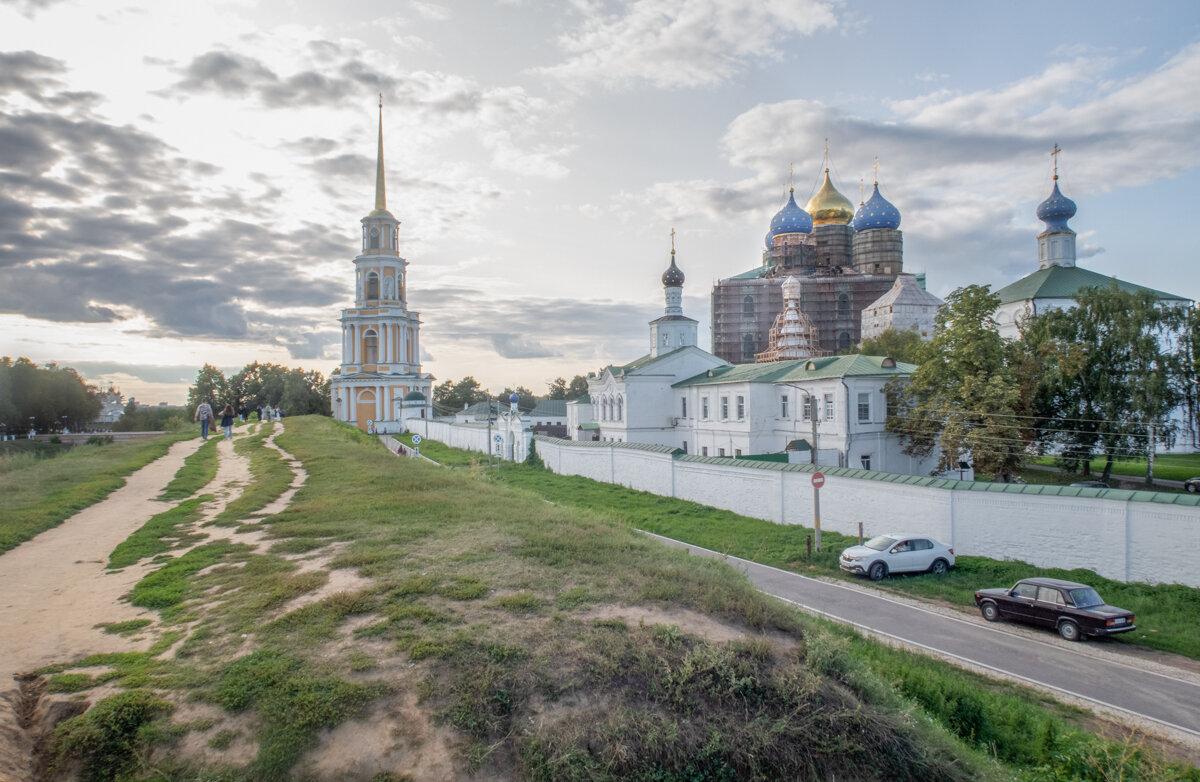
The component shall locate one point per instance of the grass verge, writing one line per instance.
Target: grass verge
(271, 477)
(43, 495)
(197, 471)
(159, 534)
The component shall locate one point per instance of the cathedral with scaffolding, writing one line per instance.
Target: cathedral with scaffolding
(836, 261)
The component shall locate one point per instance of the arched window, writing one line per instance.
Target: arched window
(387, 241)
(620, 409)
(370, 348)
(748, 305)
(372, 286)
(844, 341)
(747, 348)
(843, 303)
(373, 243)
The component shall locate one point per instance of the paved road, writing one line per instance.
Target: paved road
(1113, 684)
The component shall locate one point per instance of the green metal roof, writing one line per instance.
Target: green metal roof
(755, 273)
(800, 370)
(589, 427)
(640, 363)
(550, 407)
(1063, 282)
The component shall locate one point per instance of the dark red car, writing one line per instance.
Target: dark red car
(1074, 610)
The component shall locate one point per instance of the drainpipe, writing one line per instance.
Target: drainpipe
(846, 453)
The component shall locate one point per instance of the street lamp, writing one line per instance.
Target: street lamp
(64, 424)
(32, 430)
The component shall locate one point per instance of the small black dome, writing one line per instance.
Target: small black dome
(672, 277)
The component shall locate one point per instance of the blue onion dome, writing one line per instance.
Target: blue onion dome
(514, 398)
(1056, 210)
(877, 212)
(672, 277)
(791, 219)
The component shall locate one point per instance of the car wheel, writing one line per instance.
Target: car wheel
(877, 572)
(1069, 630)
(938, 567)
(990, 611)
(1191, 487)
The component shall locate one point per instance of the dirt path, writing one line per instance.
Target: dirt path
(54, 591)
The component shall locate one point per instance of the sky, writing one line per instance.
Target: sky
(182, 184)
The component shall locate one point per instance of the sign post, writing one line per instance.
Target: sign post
(818, 480)
(416, 441)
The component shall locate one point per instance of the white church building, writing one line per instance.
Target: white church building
(379, 381)
(681, 396)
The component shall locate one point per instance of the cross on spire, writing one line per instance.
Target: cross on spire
(672, 243)
(1054, 155)
(877, 169)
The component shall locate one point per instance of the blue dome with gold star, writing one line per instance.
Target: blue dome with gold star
(877, 212)
(1056, 210)
(791, 219)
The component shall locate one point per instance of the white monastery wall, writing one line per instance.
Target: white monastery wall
(1118, 538)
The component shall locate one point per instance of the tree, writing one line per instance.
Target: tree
(44, 398)
(212, 387)
(558, 389)
(904, 345)
(578, 387)
(450, 397)
(962, 399)
(295, 391)
(526, 401)
(1111, 374)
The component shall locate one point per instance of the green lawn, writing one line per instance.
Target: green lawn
(44, 493)
(1166, 614)
(1173, 466)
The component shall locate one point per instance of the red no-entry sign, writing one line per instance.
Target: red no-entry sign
(818, 480)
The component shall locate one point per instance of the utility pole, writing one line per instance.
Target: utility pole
(811, 405)
(1150, 457)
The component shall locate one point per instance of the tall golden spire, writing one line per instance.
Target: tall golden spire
(380, 194)
(672, 244)
(1054, 155)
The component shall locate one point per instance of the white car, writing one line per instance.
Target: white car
(897, 552)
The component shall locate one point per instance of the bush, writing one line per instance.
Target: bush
(99, 439)
(105, 737)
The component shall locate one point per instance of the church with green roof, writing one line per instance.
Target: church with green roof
(1057, 280)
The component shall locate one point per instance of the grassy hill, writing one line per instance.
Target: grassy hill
(404, 621)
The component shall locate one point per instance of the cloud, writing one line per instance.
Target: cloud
(506, 120)
(680, 43)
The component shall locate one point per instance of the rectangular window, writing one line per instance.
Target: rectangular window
(720, 452)
(685, 446)
(806, 411)
(683, 407)
(866, 461)
(783, 406)
(829, 407)
(737, 451)
(741, 407)
(704, 407)
(864, 407)
(724, 408)
(704, 450)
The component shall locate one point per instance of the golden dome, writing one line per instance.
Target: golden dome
(829, 206)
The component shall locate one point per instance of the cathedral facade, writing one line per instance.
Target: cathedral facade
(843, 260)
(380, 379)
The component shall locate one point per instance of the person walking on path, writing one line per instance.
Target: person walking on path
(227, 421)
(204, 414)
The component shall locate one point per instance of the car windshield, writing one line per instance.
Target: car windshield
(1085, 598)
(879, 543)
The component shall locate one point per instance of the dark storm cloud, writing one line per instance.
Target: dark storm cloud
(433, 94)
(29, 73)
(106, 242)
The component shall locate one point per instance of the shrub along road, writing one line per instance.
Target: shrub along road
(1168, 699)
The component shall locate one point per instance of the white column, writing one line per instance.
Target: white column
(350, 404)
(383, 342)
(379, 402)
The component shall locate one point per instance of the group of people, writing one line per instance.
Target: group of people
(204, 414)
